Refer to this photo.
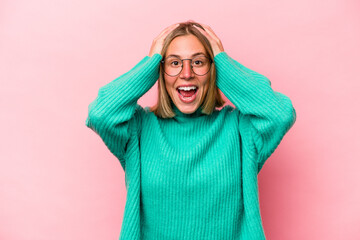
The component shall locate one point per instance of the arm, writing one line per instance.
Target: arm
(264, 115)
(115, 112)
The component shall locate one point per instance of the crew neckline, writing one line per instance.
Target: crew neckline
(185, 116)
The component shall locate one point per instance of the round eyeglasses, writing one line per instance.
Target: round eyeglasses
(200, 65)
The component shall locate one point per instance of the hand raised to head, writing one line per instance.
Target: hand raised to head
(213, 39)
(158, 42)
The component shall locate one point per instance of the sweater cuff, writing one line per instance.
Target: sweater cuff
(145, 75)
(220, 55)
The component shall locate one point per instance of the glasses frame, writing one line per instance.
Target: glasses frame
(182, 64)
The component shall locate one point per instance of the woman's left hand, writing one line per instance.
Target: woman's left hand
(213, 39)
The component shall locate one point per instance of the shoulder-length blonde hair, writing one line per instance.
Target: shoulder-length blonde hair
(212, 98)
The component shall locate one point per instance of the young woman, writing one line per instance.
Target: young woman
(190, 167)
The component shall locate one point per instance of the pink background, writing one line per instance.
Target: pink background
(59, 181)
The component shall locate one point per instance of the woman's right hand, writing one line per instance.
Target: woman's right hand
(158, 42)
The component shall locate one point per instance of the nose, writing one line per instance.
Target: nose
(186, 71)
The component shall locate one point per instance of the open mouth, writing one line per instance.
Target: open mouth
(187, 94)
(187, 91)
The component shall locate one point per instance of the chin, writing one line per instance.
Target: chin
(187, 110)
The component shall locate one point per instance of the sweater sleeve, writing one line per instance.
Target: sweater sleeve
(265, 116)
(114, 115)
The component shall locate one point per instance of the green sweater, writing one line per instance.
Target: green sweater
(193, 176)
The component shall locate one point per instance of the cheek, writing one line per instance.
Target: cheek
(206, 83)
(169, 84)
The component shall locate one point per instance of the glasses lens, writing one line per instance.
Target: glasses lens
(200, 65)
(172, 66)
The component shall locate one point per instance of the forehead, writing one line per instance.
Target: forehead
(185, 46)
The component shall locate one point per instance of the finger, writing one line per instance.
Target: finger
(208, 32)
(169, 28)
(173, 26)
(207, 28)
(203, 31)
(211, 36)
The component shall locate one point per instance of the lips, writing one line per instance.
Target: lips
(187, 89)
(187, 93)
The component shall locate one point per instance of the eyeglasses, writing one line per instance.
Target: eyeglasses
(200, 65)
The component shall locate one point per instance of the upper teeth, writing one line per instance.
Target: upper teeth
(187, 88)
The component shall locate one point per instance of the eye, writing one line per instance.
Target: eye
(175, 63)
(198, 62)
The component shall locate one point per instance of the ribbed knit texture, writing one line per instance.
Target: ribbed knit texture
(193, 176)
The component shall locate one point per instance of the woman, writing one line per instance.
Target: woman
(190, 168)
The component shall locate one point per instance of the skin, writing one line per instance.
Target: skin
(185, 46)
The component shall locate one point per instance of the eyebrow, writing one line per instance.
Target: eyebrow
(195, 54)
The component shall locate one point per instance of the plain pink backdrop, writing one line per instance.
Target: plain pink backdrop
(59, 181)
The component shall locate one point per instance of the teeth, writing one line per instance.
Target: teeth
(187, 88)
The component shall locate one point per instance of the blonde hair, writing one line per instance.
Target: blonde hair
(212, 98)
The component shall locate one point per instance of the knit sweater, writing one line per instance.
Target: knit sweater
(193, 176)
